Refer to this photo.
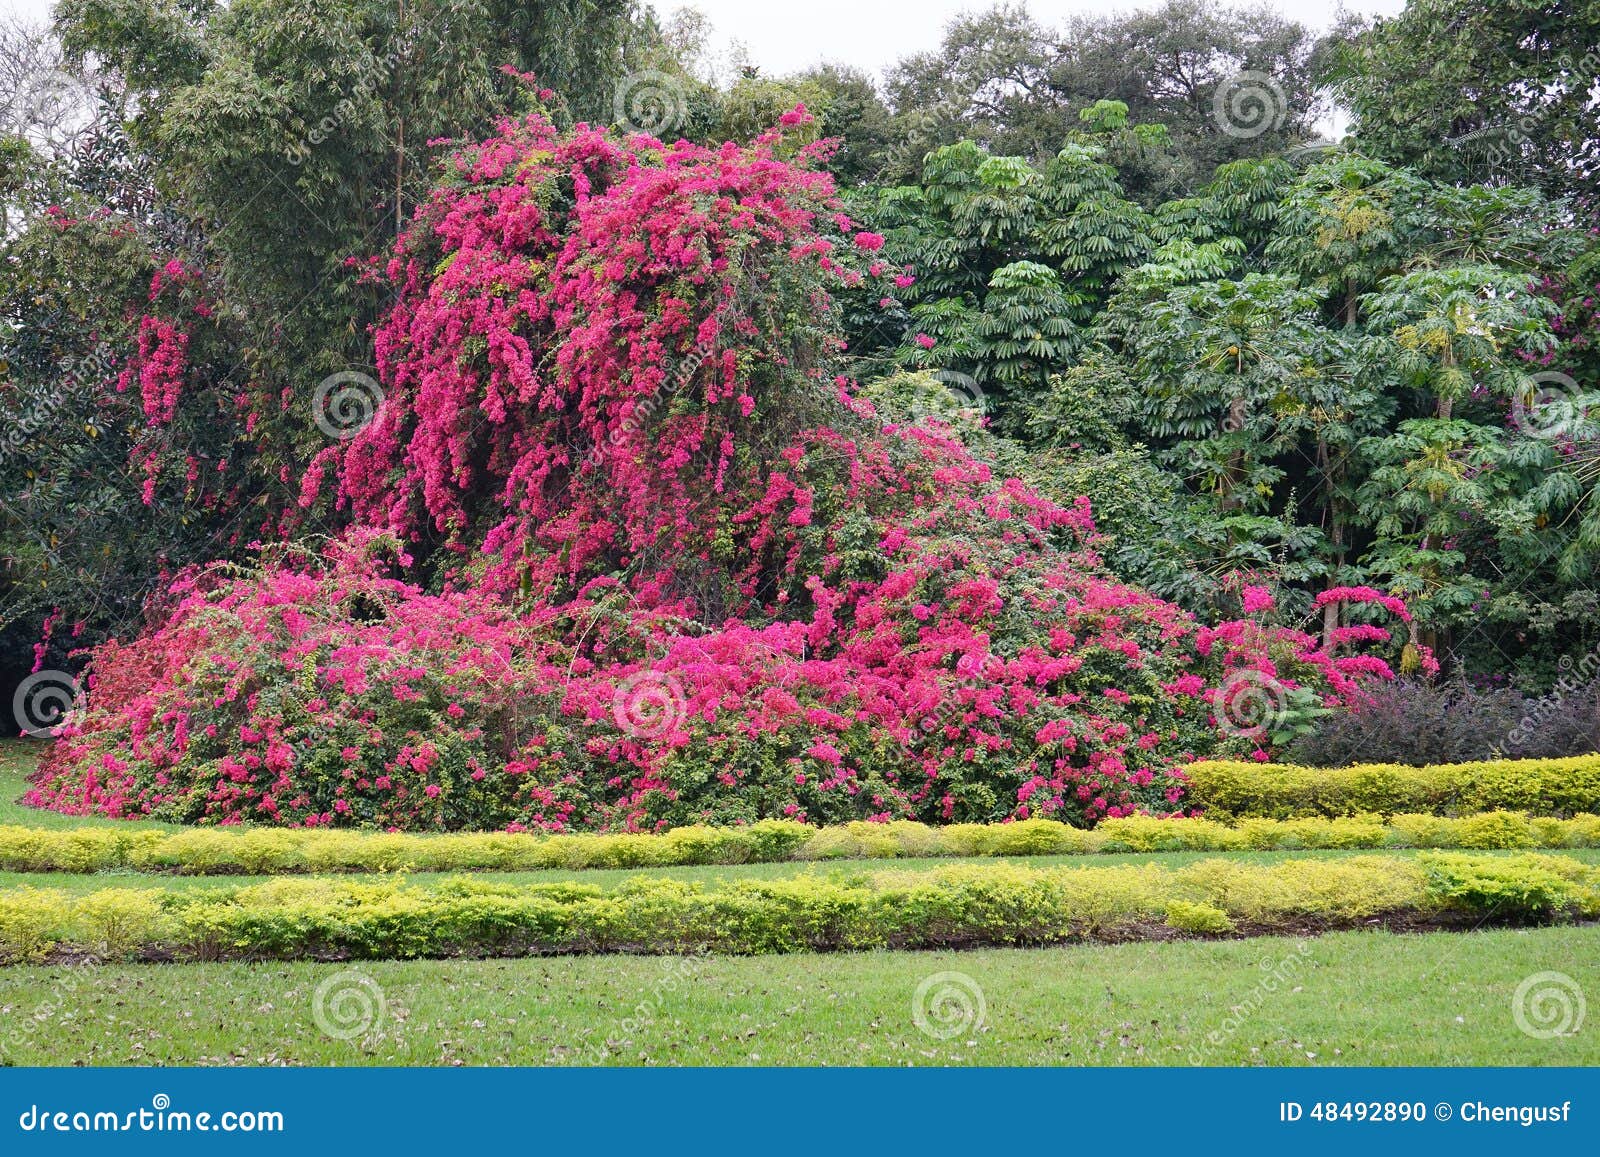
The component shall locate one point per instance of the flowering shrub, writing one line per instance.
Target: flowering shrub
(306, 697)
(684, 572)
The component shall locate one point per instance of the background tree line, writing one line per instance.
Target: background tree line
(1267, 359)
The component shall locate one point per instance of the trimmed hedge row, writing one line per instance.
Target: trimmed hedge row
(1543, 787)
(275, 851)
(955, 905)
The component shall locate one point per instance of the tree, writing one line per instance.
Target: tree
(44, 98)
(850, 111)
(183, 288)
(1348, 222)
(1467, 91)
(296, 133)
(1011, 261)
(1225, 84)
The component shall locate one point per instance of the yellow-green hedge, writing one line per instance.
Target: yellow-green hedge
(1541, 787)
(277, 851)
(954, 905)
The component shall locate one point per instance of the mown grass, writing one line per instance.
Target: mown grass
(1353, 998)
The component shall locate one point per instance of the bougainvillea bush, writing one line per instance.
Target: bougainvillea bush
(630, 549)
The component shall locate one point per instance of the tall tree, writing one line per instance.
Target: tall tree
(1226, 83)
(1464, 90)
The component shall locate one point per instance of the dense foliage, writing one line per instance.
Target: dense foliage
(941, 908)
(280, 851)
(895, 465)
(1419, 722)
(685, 572)
(1466, 90)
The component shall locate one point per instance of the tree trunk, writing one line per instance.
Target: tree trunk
(1335, 521)
(400, 179)
(400, 128)
(1447, 403)
(1330, 612)
(1238, 411)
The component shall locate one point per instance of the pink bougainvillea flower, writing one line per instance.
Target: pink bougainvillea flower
(628, 548)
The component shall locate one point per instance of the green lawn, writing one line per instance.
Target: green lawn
(1350, 998)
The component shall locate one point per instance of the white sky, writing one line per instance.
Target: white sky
(870, 34)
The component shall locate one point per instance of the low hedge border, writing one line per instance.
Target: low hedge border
(957, 905)
(277, 851)
(1542, 787)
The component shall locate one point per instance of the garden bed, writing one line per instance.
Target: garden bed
(966, 905)
(207, 852)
